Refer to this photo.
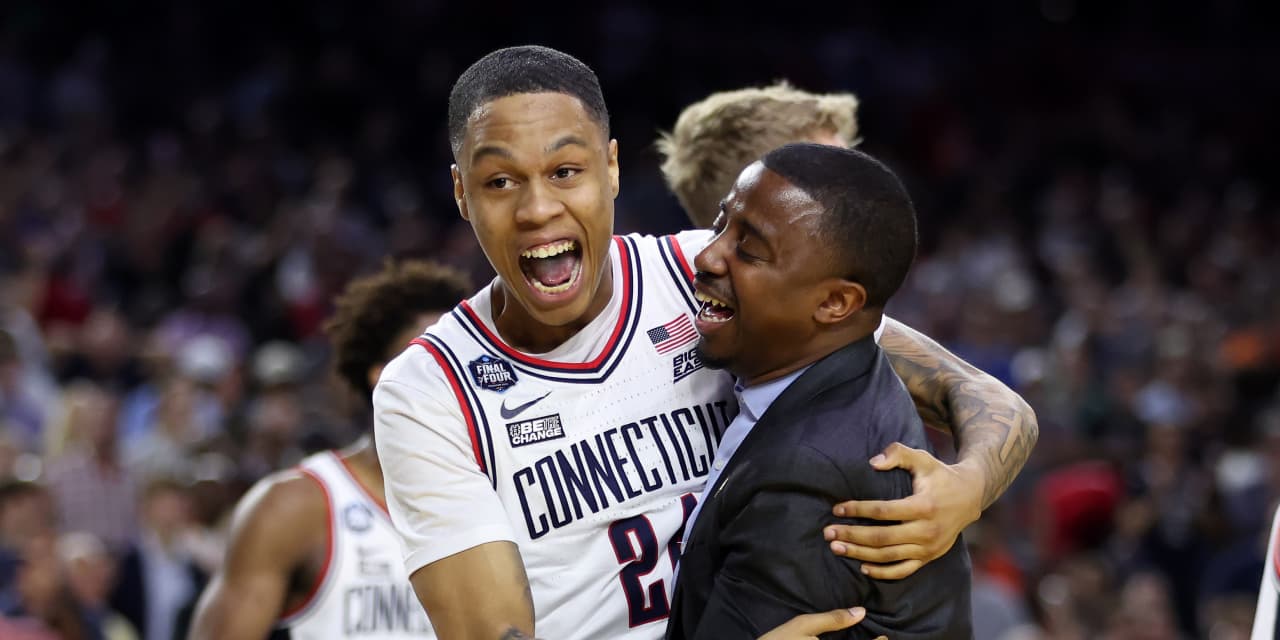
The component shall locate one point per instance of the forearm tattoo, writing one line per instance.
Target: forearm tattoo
(515, 634)
(989, 423)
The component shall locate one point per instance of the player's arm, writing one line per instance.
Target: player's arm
(994, 430)
(481, 593)
(458, 542)
(247, 596)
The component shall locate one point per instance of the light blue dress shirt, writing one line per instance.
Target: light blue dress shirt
(752, 403)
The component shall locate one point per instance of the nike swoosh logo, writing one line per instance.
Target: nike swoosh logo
(508, 414)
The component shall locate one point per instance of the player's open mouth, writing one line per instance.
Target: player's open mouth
(713, 310)
(552, 268)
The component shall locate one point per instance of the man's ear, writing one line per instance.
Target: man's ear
(844, 298)
(459, 192)
(613, 167)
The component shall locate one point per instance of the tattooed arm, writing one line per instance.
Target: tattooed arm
(994, 430)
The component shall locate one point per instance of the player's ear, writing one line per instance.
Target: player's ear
(459, 192)
(844, 298)
(613, 167)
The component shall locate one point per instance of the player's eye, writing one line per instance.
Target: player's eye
(563, 173)
(499, 183)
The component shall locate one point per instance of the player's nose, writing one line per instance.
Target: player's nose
(539, 204)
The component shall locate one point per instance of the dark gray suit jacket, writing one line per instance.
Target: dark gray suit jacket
(756, 556)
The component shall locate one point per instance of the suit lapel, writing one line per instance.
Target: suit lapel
(836, 369)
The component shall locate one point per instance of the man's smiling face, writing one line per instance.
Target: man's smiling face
(762, 276)
(537, 179)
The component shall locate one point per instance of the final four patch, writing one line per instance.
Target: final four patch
(494, 374)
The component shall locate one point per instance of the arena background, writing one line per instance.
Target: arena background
(184, 185)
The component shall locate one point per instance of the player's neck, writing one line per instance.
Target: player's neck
(524, 332)
(362, 458)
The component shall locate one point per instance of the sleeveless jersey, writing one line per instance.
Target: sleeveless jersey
(1266, 617)
(590, 457)
(363, 591)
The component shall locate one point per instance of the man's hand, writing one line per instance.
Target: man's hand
(810, 625)
(945, 499)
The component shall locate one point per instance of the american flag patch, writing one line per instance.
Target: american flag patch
(673, 335)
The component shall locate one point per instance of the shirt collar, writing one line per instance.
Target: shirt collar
(754, 401)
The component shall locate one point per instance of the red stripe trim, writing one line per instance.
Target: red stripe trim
(457, 394)
(568, 366)
(328, 556)
(356, 479)
(684, 264)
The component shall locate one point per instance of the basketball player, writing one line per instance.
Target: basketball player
(312, 549)
(713, 140)
(544, 443)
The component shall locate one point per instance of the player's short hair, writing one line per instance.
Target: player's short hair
(716, 138)
(526, 69)
(870, 222)
(373, 309)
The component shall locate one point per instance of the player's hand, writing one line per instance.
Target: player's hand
(945, 499)
(809, 625)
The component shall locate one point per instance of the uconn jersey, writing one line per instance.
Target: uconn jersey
(1266, 618)
(590, 457)
(363, 591)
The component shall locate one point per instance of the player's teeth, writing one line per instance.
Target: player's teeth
(706, 317)
(702, 297)
(548, 251)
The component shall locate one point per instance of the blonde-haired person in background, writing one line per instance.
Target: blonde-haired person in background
(717, 137)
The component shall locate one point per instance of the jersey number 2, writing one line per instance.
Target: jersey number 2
(636, 545)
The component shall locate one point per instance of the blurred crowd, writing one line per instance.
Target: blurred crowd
(184, 186)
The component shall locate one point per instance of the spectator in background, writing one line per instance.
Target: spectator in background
(159, 581)
(188, 409)
(20, 413)
(89, 570)
(33, 382)
(275, 431)
(44, 599)
(95, 492)
(17, 504)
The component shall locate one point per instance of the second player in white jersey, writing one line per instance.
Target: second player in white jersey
(364, 591)
(589, 457)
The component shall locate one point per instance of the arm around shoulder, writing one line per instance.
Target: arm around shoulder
(776, 565)
(994, 428)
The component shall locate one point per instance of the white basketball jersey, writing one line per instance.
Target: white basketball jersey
(1266, 620)
(596, 452)
(364, 591)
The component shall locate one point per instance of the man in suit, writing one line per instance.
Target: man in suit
(811, 243)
